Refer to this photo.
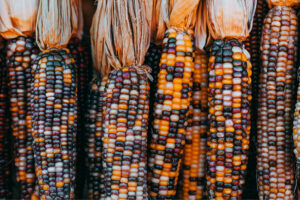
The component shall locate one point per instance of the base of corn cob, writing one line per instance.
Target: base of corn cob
(21, 52)
(54, 124)
(275, 169)
(229, 119)
(125, 134)
(171, 106)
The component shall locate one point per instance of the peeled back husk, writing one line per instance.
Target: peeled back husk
(231, 18)
(273, 3)
(167, 14)
(54, 24)
(120, 33)
(77, 19)
(17, 18)
(201, 31)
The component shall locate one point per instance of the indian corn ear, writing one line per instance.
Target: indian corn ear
(276, 85)
(83, 63)
(194, 157)
(54, 124)
(20, 54)
(94, 129)
(152, 59)
(229, 99)
(5, 161)
(252, 45)
(125, 135)
(172, 103)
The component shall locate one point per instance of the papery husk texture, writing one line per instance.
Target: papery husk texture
(54, 24)
(231, 18)
(180, 14)
(201, 31)
(18, 18)
(77, 19)
(120, 33)
(273, 3)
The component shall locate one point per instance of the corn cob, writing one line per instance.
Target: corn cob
(125, 134)
(252, 45)
(4, 130)
(54, 124)
(195, 147)
(20, 53)
(171, 106)
(95, 134)
(229, 119)
(277, 78)
(152, 59)
(83, 60)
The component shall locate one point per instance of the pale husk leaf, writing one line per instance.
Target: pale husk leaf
(77, 18)
(201, 31)
(158, 26)
(18, 18)
(180, 14)
(120, 33)
(54, 24)
(230, 18)
(272, 3)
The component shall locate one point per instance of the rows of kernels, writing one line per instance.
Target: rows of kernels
(94, 128)
(171, 106)
(54, 124)
(229, 106)
(20, 53)
(253, 45)
(125, 134)
(152, 59)
(196, 133)
(275, 159)
(5, 192)
(83, 71)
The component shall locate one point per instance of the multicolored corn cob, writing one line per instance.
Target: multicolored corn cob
(275, 168)
(54, 124)
(94, 128)
(125, 134)
(83, 71)
(152, 59)
(229, 119)
(252, 44)
(21, 52)
(170, 113)
(194, 158)
(5, 161)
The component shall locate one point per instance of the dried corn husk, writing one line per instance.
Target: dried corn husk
(54, 24)
(273, 3)
(158, 26)
(201, 31)
(120, 33)
(230, 18)
(17, 18)
(77, 19)
(172, 13)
